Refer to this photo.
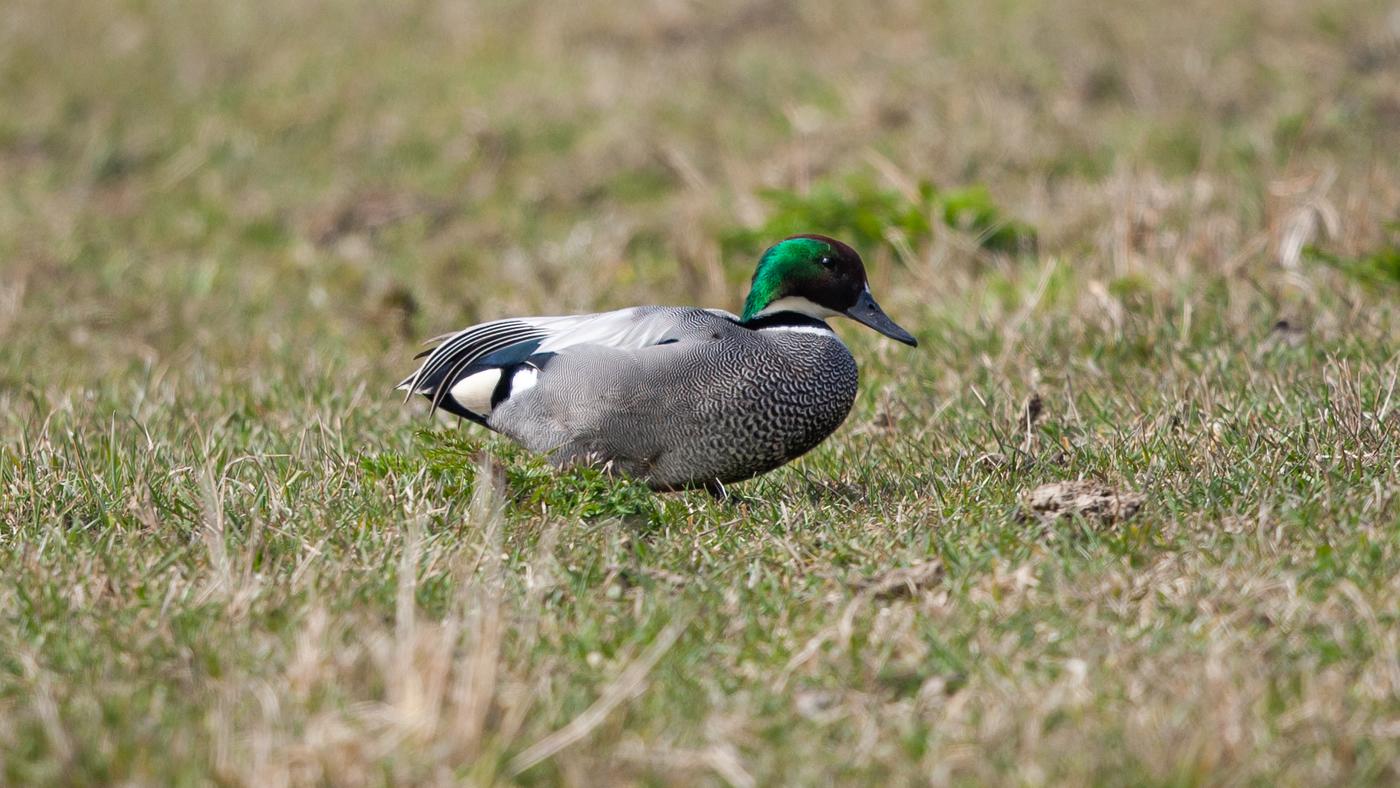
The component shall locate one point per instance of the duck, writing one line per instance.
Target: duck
(677, 397)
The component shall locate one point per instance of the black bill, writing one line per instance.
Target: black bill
(866, 311)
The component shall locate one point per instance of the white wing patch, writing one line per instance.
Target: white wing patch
(524, 379)
(474, 391)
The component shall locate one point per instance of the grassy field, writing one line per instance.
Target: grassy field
(1147, 245)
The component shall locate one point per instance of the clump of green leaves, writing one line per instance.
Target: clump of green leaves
(859, 212)
(868, 216)
(1377, 269)
(585, 491)
(451, 458)
(971, 210)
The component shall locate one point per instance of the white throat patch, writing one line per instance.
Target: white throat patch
(798, 304)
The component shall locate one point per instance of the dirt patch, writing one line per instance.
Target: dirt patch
(1088, 499)
(905, 581)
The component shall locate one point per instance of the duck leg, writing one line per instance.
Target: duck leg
(716, 490)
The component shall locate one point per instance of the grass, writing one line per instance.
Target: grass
(230, 555)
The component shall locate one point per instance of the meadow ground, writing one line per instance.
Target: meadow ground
(229, 554)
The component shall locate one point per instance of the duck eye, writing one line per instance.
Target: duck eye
(827, 260)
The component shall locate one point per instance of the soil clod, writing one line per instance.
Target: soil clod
(904, 581)
(1086, 498)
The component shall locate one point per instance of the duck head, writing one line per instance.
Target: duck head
(819, 277)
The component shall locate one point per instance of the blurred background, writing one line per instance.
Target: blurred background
(267, 183)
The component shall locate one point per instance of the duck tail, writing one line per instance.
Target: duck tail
(470, 365)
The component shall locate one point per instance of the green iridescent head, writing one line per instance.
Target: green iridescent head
(818, 277)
